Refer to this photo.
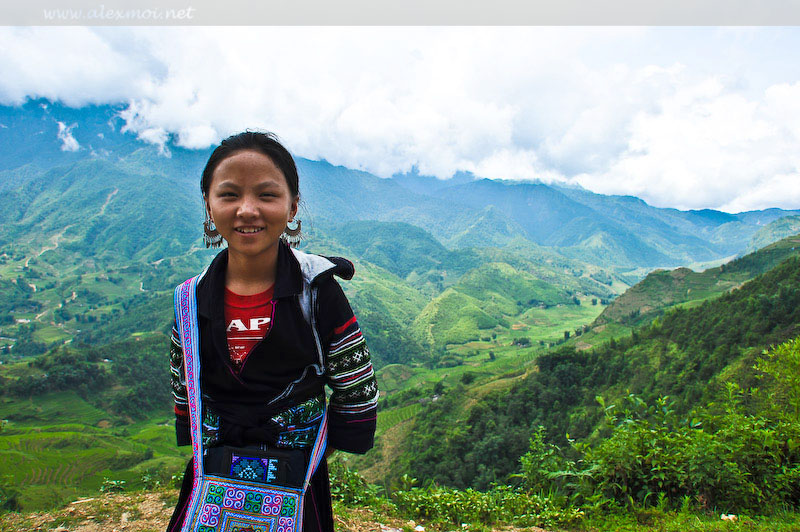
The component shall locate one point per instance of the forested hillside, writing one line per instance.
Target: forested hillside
(661, 290)
(687, 354)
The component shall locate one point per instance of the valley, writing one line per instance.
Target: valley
(491, 308)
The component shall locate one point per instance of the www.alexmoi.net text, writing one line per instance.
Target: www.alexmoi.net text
(103, 14)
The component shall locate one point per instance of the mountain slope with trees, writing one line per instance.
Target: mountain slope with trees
(468, 438)
(661, 290)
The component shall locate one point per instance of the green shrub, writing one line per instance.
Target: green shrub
(9, 494)
(351, 488)
(542, 464)
(109, 485)
(727, 459)
(501, 504)
(782, 364)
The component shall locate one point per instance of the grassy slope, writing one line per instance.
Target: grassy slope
(58, 446)
(662, 290)
(687, 355)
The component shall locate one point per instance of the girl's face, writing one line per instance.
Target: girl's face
(250, 202)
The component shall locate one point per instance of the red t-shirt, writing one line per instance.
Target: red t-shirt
(248, 320)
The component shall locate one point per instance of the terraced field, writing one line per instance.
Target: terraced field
(395, 416)
(52, 463)
(61, 408)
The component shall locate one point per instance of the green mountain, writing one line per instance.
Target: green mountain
(453, 318)
(774, 231)
(406, 250)
(99, 210)
(474, 434)
(101, 264)
(661, 289)
(617, 232)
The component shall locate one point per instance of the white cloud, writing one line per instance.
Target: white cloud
(68, 142)
(778, 191)
(708, 146)
(197, 136)
(74, 65)
(688, 118)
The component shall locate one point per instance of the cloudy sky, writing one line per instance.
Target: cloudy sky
(681, 117)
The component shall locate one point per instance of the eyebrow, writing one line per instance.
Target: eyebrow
(261, 185)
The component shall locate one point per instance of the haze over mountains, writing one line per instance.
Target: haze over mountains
(617, 232)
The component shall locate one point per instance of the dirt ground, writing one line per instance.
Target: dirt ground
(150, 512)
(138, 512)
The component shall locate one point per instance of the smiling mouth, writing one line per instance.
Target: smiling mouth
(249, 230)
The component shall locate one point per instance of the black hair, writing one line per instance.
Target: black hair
(266, 143)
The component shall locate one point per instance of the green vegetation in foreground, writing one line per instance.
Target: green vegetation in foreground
(364, 510)
(652, 469)
(655, 520)
(471, 439)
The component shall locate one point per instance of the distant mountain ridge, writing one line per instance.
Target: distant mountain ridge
(619, 232)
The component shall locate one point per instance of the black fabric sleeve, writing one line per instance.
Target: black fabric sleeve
(349, 373)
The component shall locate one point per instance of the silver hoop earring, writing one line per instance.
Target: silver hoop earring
(211, 237)
(292, 235)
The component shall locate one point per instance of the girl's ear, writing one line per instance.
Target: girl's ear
(293, 209)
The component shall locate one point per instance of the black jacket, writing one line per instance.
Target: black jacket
(284, 369)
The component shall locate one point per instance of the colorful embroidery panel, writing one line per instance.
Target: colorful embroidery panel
(254, 469)
(299, 424)
(227, 507)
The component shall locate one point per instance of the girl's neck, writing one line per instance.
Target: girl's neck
(247, 274)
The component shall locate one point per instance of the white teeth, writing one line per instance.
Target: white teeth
(249, 230)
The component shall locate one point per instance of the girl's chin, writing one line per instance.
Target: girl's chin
(247, 246)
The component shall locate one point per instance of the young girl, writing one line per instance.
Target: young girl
(265, 313)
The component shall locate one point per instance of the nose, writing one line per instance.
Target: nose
(247, 207)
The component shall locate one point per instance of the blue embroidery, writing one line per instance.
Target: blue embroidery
(245, 468)
(272, 468)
